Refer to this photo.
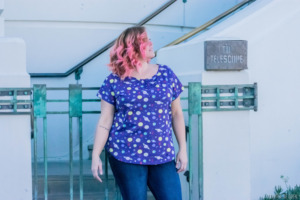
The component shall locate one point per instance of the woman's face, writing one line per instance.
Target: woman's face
(149, 50)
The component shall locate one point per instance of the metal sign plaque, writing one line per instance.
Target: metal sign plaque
(225, 54)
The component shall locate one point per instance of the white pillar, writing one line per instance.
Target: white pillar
(226, 145)
(15, 142)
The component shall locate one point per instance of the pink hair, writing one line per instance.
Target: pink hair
(127, 51)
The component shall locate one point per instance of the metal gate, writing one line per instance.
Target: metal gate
(201, 98)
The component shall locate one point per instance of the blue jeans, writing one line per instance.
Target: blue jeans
(132, 179)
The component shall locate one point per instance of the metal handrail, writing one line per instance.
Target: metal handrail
(209, 23)
(78, 68)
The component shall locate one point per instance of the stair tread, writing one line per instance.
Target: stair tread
(59, 182)
(62, 168)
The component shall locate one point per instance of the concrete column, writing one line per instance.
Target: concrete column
(226, 145)
(15, 142)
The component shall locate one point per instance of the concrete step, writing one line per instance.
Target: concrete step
(95, 196)
(61, 184)
(62, 168)
(59, 188)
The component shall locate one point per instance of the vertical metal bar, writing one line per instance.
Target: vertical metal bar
(190, 159)
(35, 159)
(195, 107)
(71, 157)
(255, 97)
(15, 100)
(75, 110)
(106, 174)
(236, 90)
(218, 98)
(39, 110)
(45, 158)
(80, 158)
(200, 157)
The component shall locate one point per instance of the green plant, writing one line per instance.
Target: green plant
(291, 193)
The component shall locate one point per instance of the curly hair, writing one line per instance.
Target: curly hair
(127, 51)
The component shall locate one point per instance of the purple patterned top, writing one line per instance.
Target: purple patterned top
(141, 132)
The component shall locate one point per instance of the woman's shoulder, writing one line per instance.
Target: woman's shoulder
(111, 80)
(166, 69)
(112, 76)
(163, 67)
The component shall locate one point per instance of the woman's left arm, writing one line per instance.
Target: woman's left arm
(179, 131)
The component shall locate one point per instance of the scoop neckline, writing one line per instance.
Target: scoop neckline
(148, 79)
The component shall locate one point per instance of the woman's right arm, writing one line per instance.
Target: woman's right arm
(101, 135)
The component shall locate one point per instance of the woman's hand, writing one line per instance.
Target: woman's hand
(97, 167)
(181, 161)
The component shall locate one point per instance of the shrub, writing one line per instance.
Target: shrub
(291, 193)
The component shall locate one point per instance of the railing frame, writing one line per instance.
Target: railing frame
(239, 97)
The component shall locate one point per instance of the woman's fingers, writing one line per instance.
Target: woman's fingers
(96, 175)
(177, 164)
(100, 169)
(182, 167)
(97, 168)
(181, 161)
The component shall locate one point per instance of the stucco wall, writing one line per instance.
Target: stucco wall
(271, 28)
(1, 18)
(60, 34)
(15, 143)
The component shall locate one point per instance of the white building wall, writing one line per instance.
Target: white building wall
(1, 18)
(226, 135)
(60, 34)
(15, 143)
(271, 28)
(1, 27)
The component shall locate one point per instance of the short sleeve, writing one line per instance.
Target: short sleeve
(176, 85)
(106, 91)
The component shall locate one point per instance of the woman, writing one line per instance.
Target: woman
(140, 104)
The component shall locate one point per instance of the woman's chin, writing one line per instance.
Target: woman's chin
(152, 55)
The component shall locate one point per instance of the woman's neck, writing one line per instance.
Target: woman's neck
(146, 71)
(144, 68)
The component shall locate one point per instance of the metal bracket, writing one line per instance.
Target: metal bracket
(229, 97)
(75, 100)
(78, 72)
(39, 100)
(11, 104)
(195, 106)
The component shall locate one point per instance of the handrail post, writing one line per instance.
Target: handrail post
(75, 110)
(39, 110)
(195, 108)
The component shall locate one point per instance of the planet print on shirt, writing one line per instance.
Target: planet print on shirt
(141, 131)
